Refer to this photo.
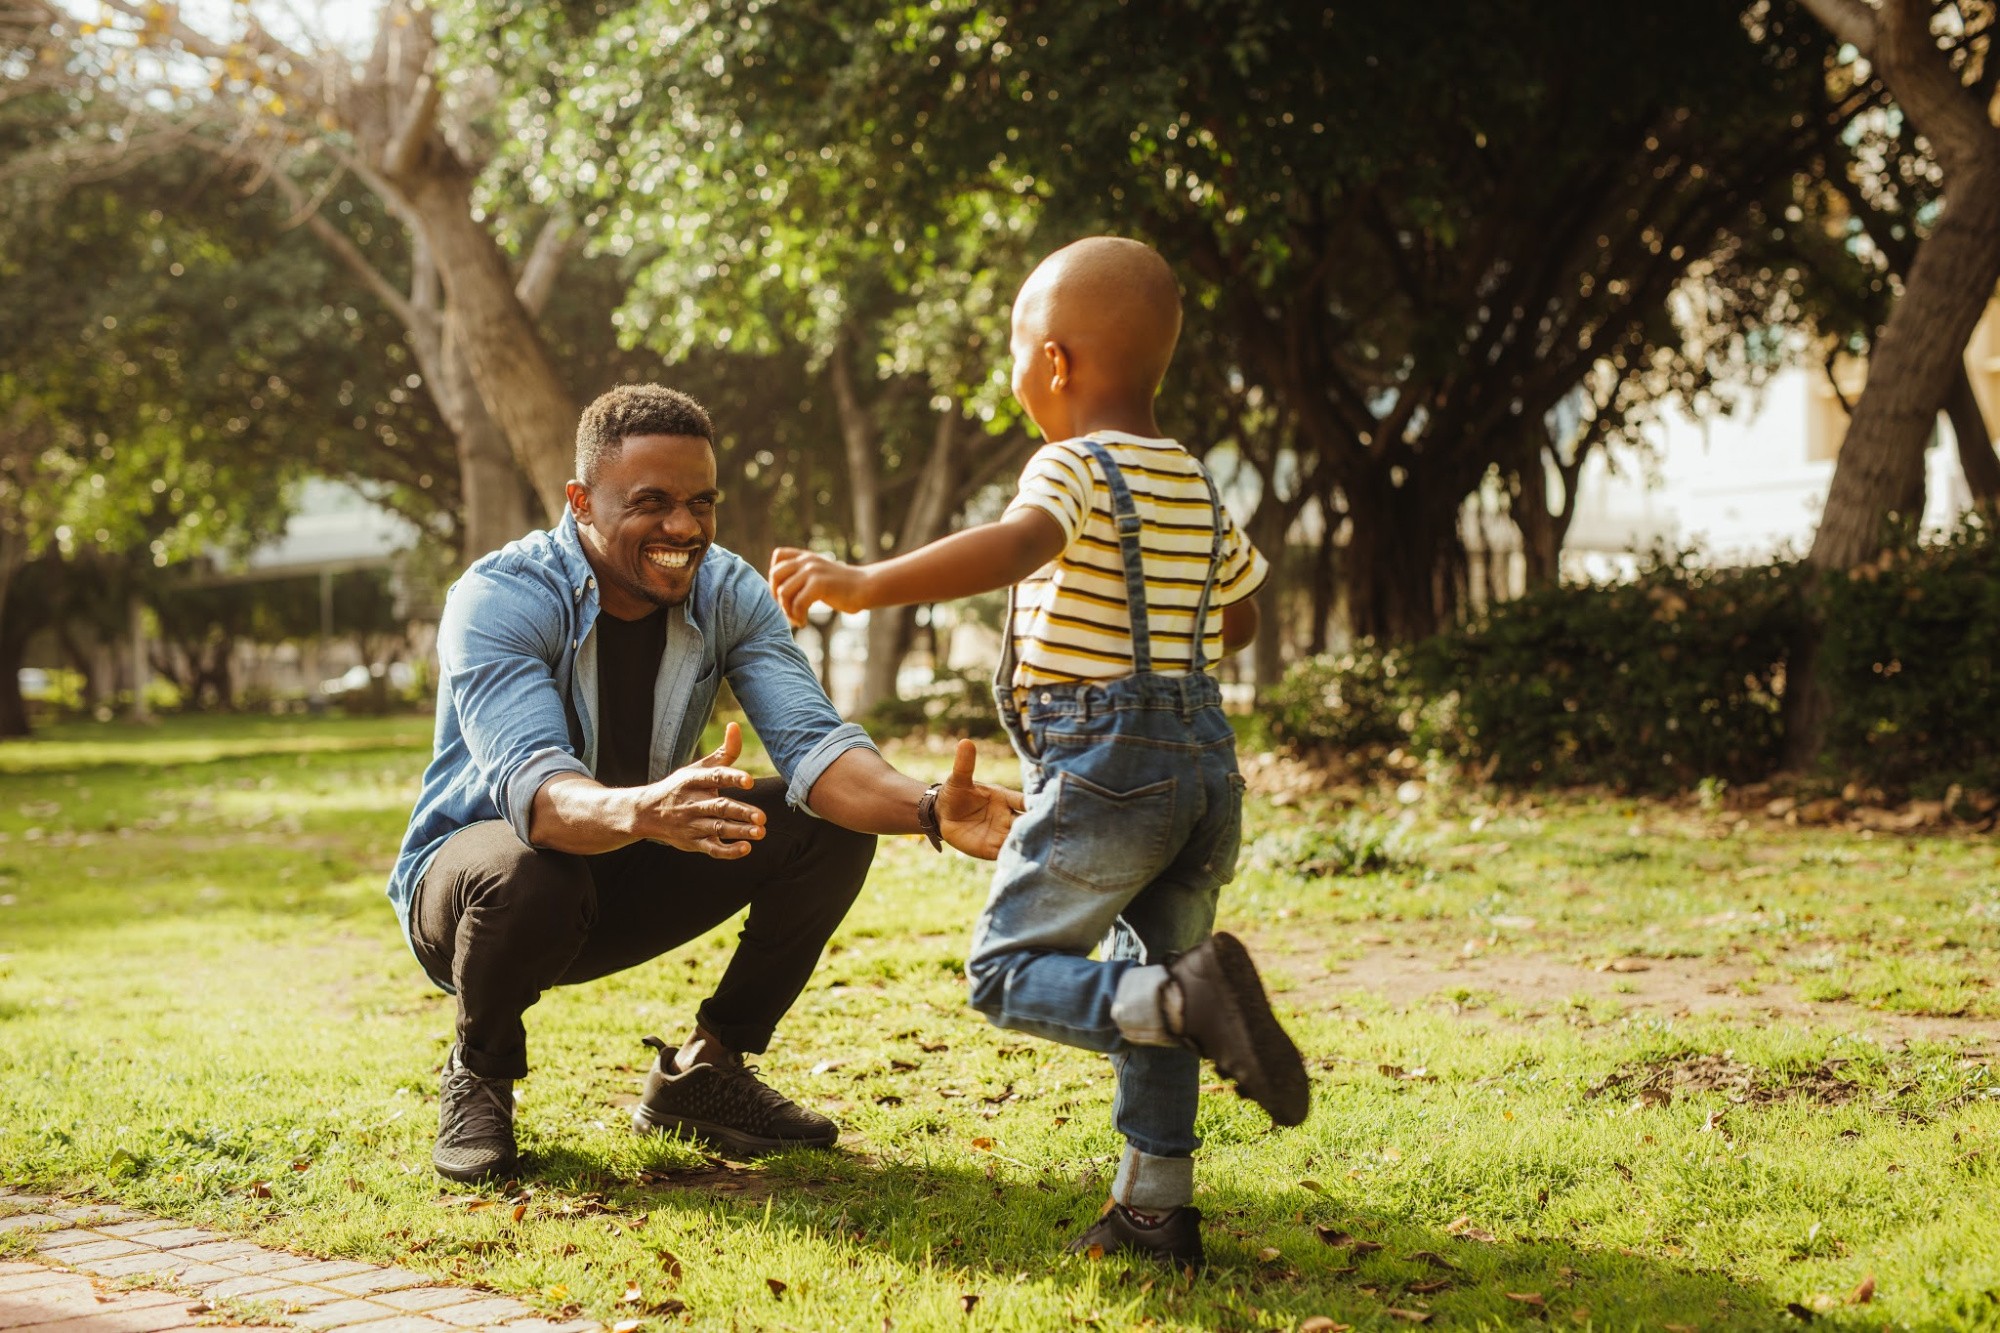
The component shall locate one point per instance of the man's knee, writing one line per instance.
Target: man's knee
(515, 889)
(986, 982)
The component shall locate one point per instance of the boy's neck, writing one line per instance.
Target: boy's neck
(1126, 417)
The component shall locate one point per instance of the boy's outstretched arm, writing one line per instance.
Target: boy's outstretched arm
(976, 560)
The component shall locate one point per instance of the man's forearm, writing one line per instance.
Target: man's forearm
(860, 791)
(574, 813)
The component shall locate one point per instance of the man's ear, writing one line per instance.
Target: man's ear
(579, 500)
(1058, 364)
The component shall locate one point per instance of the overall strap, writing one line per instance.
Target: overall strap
(1199, 662)
(1126, 517)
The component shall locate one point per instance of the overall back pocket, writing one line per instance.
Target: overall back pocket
(1109, 841)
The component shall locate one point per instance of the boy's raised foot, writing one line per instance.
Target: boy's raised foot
(1225, 1016)
(1172, 1238)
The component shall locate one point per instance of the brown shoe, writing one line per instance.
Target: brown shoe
(1226, 1018)
(721, 1102)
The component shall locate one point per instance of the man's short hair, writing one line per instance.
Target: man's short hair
(634, 409)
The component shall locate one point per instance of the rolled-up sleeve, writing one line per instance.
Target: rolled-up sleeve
(800, 728)
(496, 654)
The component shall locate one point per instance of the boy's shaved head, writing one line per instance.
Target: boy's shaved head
(1112, 304)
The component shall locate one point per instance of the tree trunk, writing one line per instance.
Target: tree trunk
(1325, 577)
(13, 708)
(1528, 505)
(13, 635)
(502, 348)
(1976, 458)
(864, 465)
(1399, 570)
(494, 504)
(1268, 529)
(1914, 364)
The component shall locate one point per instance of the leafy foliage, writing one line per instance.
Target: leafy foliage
(1909, 657)
(1344, 701)
(1647, 685)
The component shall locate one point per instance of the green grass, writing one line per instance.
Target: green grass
(206, 1009)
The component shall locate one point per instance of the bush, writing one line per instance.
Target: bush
(1348, 701)
(1645, 686)
(957, 703)
(1909, 665)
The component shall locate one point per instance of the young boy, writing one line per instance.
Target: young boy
(1128, 579)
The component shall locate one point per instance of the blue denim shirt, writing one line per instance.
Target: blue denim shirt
(517, 643)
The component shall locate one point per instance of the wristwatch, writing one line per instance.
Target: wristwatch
(927, 816)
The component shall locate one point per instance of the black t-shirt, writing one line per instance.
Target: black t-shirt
(628, 664)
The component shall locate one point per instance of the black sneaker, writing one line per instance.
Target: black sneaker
(475, 1124)
(1226, 1018)
(1174, 1239)
(723, 1104)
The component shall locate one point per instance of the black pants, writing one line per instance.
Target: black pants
(503, 922)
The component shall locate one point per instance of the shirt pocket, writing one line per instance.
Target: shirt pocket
(1110, 841)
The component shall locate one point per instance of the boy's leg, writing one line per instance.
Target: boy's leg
(1159, 1085)
(1029, 964)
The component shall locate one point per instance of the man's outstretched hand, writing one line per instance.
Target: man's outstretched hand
(974, 816)
(688, 809)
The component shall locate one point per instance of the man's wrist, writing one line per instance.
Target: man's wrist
(927, 816)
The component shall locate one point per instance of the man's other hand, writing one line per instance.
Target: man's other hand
(800, 578)
(973, 816)
(687, 808)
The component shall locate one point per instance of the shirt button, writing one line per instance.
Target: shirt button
(1047, 698)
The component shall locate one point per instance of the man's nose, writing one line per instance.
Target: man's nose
(679, 524)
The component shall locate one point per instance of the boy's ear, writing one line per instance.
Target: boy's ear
(1058, 364)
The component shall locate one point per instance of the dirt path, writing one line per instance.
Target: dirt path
(1410, 974)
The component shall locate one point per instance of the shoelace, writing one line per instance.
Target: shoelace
(480, 1108)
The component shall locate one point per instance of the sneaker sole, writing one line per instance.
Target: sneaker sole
(722, 1137)
(473, 1175)
(1278, 1083)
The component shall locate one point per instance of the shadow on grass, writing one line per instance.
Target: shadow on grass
(1339, 1259)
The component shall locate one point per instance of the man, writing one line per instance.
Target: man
(562, 832)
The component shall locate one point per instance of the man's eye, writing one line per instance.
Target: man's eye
(700, 506)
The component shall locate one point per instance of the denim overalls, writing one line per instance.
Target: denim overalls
(1133, 820)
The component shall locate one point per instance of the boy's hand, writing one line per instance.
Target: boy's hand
(800, 578)
(974, 817)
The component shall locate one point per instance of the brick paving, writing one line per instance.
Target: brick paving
(81, 1250)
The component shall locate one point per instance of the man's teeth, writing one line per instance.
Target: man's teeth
(669, 559)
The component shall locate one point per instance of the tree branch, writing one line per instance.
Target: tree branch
(545, 261)
(345, 250)
(1849, 20)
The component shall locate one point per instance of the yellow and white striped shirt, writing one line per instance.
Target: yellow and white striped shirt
(1071, 621)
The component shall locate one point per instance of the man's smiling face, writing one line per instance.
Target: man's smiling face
(647, 520)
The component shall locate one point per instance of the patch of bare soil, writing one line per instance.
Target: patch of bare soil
(1539, 985)
(713, 1177)
(1661, 1081)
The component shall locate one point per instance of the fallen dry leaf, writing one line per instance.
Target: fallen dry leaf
(1412, 1316)
(520, 1211)
(1426, 1288)
(1533, 1298)
(1652, 1097)
(260, 1189)
(1625, 965)
(982, 1145)
(1863, 1293)
(968, 1300)
(625, 1326)
(1270, 1254)
(632, 1294)
(777, 1287)
(1433, 1259)
(1319, 1323)
(1464, 1229)
(1682, 1328)
(672, 1264)
(1799, 1312)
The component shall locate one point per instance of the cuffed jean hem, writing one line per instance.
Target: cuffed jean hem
(1153, 1184)
(1136, 1009)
